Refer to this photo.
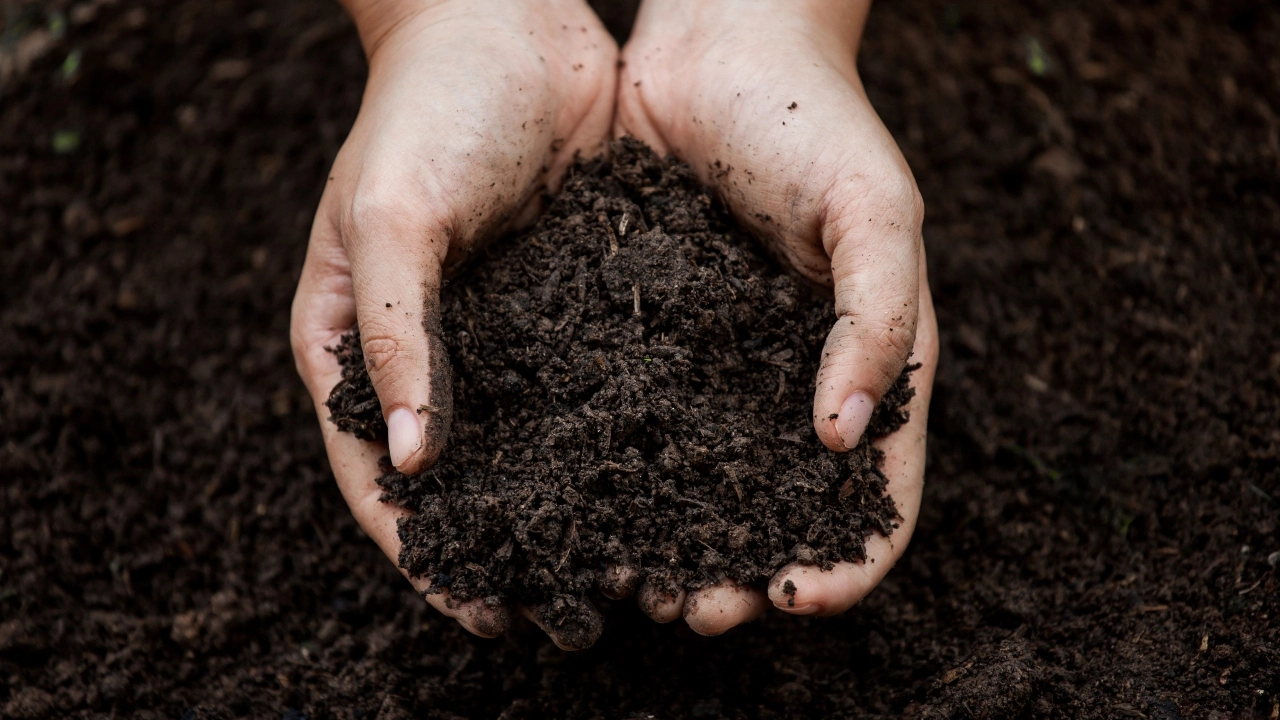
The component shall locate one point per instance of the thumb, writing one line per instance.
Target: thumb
(875, 249)
(396, 273)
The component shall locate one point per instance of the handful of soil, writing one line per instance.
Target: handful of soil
(633, 384)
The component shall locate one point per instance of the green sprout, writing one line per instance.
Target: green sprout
(57, 24)
(1123, 524)
(71, 66)
(1037, 59)
(66, 141)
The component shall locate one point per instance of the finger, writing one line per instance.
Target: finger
(633, 119)
(571, 623)
(355, 465)
(658, 605)
(633, 115)
(715, 609)
(619, 581)
(874, 243)
(396, 271)
(323, 309)
(807, 590)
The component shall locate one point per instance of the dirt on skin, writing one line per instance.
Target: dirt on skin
(1098, 534)
(633, 386)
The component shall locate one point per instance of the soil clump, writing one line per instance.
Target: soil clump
(633, 387)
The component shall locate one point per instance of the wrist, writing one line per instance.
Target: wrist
(836, 22)
(375, 20)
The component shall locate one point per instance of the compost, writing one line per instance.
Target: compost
(633, 386)
(1099, 525)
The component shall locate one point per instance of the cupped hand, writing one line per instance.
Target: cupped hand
(472, 109)
(763, 99)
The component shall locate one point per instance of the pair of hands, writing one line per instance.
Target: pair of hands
(473, 108)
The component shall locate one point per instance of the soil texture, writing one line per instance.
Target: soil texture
(633, 386)
(1098, 536)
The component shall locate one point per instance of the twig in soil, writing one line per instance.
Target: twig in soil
(782, 387)
(613, 239)
(635, 294)
(622, 224)
(1250, 589)
(1260, 492)
(568, 545)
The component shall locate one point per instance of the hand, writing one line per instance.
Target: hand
(763, 99)
(472, 108)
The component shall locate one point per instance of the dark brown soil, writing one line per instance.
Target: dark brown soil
(633, 386)
(1099, 530)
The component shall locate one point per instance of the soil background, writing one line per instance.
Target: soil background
(1101, 523)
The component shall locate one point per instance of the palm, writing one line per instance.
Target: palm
(768, 108)
(472, 108)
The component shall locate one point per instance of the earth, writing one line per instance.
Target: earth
(1100, 534)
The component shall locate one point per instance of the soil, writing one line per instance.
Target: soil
(1099, 528)
(633, 386)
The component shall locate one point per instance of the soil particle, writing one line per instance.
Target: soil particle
(633, 387)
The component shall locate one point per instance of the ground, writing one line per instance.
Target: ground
(1102, 515)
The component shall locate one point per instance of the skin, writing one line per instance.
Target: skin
(473, 107)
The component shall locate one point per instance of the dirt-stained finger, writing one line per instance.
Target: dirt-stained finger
(716, 609)
(807, 590)
(619, 581)
(396, 256)
(572, 623)
(321, 311)
(658, 605)
(474, 615)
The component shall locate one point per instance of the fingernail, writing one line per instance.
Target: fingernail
(854, 416)
(404, 435)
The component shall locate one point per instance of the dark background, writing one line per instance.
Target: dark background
(1102, 520)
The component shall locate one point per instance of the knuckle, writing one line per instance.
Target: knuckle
(308, 354)
(875, 351)
(893, 344)
(383, 212)
(300, 347)
(890, 198)
(908, 200)
(897, 341)
(892, 337)
(384, 350)
(376, 211)
(898, 199)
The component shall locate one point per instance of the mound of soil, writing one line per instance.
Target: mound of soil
(633, 386)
